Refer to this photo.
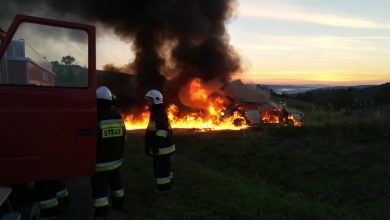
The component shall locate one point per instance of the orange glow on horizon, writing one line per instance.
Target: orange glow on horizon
(310, 77)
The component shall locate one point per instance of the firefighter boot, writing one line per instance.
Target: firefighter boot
(44, 218)
(93, 217)
(117, 203)
(63, 204)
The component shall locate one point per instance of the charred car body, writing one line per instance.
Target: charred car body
(263, 113)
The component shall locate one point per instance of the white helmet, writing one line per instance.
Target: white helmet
(155, 95)
(103, 93)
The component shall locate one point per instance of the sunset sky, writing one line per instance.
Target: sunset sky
(337, 42)
(321, 41)
(332, 42)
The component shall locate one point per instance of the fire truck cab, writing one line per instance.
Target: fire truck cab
(47, 100)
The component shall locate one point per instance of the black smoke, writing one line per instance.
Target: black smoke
(173, 40)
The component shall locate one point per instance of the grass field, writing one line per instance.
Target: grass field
(335, 167)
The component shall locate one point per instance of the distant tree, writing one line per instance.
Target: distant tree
(68, 60)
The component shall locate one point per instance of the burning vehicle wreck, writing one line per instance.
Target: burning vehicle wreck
(263, 113)
(205, 106)
(240, 115)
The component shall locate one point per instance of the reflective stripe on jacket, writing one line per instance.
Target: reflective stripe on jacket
(159, 137)
(111, 133)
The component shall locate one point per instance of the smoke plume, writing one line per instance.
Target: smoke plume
(240, 91)
(172, 39)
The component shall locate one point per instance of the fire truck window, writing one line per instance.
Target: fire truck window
(41, 55)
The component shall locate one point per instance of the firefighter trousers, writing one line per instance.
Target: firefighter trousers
(101, 183)
(162, 172)
(52, 197)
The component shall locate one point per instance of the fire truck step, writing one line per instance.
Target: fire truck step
(4, 193)
(12, 216)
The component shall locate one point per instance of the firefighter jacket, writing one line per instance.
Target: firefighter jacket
(158, 137)
(111, 133)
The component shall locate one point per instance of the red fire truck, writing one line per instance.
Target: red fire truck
(47, 131)
(32, 68)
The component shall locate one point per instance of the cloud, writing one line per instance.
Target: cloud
(258, 42)
(297, 14)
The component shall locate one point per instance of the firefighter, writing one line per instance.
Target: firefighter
(52, 197)
(109, 152)
(159, 141)
(283, 117)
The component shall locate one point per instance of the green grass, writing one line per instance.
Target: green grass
(335, 167)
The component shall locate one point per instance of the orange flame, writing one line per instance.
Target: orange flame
(207, 113)
(196, 120)
(207, 117)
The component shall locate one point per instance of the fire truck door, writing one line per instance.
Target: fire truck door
(48, 101)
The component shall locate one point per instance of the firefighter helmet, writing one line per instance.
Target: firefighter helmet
(155, 95)
(103, 93)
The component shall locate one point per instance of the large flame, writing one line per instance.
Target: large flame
(208, 104)
(206, 116)
(194, 120)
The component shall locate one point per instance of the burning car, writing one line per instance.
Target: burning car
(258, 113)
(208, 108)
